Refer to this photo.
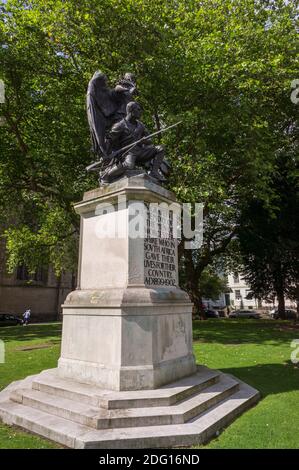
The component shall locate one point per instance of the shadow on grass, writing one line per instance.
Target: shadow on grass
(242, 331)
(31, 332)
(269, 379)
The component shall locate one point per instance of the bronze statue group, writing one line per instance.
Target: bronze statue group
(120, 141)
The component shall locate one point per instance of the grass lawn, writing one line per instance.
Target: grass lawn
(44, 339)
(257, 352)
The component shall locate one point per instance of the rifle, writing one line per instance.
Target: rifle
(124, 150)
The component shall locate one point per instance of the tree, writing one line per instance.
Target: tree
(269, 237)
(49, 52)
(223, 67)
(238, 78)
(211, 284)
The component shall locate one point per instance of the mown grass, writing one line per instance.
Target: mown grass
(21, 362)
(257, 352)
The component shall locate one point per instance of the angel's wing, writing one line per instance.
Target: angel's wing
(105, 107)
(100, 106)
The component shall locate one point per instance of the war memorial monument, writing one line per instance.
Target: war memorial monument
(127, 376)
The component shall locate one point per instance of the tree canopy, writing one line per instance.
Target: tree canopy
(224, 67)
(269, 243)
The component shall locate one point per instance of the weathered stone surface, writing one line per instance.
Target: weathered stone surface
(73, 422)
(49, 382)
(126, 377)
(119, 331)
(131, 417)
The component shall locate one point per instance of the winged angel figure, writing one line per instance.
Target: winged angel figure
(120, 140)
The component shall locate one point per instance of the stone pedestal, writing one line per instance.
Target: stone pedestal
(126, 332)
(128, 326)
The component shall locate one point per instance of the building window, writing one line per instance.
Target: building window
(238, 294)
(248, 294)
(22, 273)
(40, 275)
(236, 278)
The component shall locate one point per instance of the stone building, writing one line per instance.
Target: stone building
(240, 297)
(42, 292)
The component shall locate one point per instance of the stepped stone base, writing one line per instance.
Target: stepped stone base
(78, 415)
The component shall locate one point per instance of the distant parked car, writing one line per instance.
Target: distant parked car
(290, 314)
(7, 319)
(211, 313)
(245, 314)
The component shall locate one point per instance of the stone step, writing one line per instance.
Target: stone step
(70, 434)
(49, 426)
(100, 418)
(196, 432)
(49, 382)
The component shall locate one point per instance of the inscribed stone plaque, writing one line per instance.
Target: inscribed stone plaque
(160, 249)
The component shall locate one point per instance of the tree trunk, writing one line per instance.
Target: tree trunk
(279, 289)
(58, 303)
(192, 284)
(281, 303)
(297, 303)
(196, 298)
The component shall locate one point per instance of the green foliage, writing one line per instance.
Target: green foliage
(42, 246)
(211, 285)
(224, 67)
(268, 239)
